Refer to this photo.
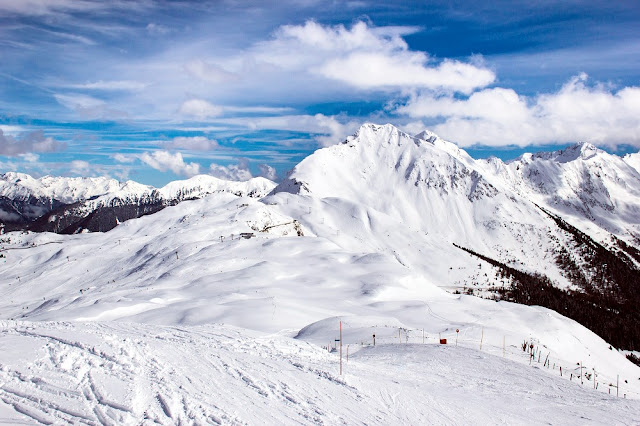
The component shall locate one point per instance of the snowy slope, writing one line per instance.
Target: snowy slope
(633, 160)
(413, 197)
(173, 268)
(431, 194)
(117, 373)
(582, 183)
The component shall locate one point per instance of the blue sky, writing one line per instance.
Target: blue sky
(158, 91)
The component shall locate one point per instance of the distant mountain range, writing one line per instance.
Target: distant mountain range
(72, 205)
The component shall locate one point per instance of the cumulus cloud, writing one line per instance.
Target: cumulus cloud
(80, 167)
(122, 158)
(266, 171)
(498, 116)
(238, 171)
(30, 157)
(164, 161)
(193, 143)
(201, 109)
(30, 142)
(367, 58)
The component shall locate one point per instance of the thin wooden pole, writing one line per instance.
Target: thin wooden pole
(481, 338)
(503, 339)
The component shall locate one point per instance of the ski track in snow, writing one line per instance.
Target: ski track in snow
(124, 373)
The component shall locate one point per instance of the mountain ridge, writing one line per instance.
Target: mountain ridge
(69, 205)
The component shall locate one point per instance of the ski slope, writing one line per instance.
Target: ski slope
(124, 373)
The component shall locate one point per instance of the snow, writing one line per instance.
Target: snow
(173, 317)
(124, 373)
(67, 190)
(633, 160)
(94, 193)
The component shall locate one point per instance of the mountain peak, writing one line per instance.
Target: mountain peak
(370, 129)
(579, 151)
(426, 135)
(582, 150)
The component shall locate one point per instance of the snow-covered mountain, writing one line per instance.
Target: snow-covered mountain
(385, 232)
(582, 182)
(69, 205)
(571, 217)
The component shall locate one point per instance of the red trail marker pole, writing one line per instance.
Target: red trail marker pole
(341, 348)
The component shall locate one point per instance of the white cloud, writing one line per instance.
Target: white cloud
(88, 106)
(28, 142)
(164, 161)
(498, 116)
(203, 110)
(157, 29)
(44, 7)
(367, 58)
(30, 157)
(200, 109)
(122, 158)
(58, 7)
(209, 72)
(328, 128)
(194, 143)
(238, 172)
(257, 109)
(267, 171)
(405, 70)
(78, 101)
(7, 128)
(80, 167)
(103, 85)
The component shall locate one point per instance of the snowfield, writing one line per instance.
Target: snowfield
(124, 373)
(222, 309)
